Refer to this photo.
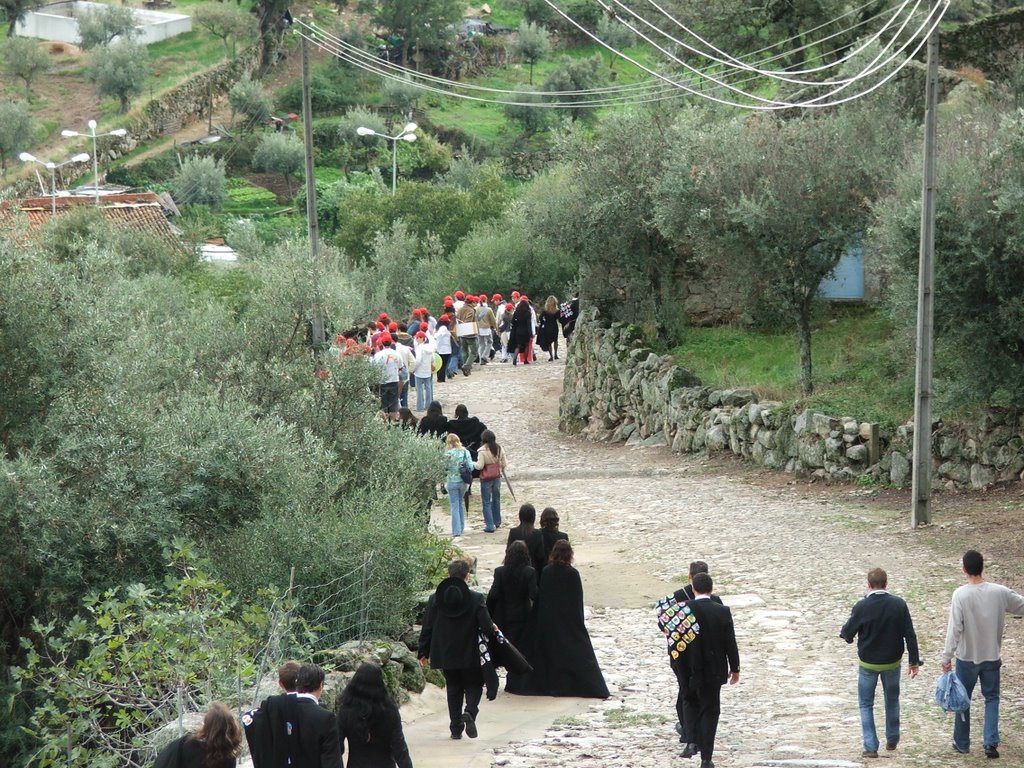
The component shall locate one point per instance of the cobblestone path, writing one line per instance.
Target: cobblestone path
(789, 559)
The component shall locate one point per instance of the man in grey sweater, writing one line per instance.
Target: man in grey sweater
(977, 616)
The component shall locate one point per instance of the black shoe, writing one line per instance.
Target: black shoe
(706, 764)
(991, 752)
(961, 751)
(470, 725)
(456, 734)
(869, 753)
(689, 750)
(891, 745)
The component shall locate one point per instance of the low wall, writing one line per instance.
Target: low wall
(618, 389)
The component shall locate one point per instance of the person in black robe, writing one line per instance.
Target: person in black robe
(547, 328)
(550, 533)
(215, 745)
(368, 719)
(570, 313)
(558, 645)
(513, 592)
(520, 332)
(435, 423)
(528, 533)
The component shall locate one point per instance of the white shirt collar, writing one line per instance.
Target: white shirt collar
(309, 696)
(702, 597)
(878, 592)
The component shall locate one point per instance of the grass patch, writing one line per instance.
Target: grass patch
(627, 718)
(856, 371)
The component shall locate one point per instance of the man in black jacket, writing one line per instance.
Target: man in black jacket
(267, 729)
(882, 625)
(686, 734)
(708, 662)
(454, 618)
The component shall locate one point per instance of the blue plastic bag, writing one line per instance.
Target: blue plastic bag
(950, 693)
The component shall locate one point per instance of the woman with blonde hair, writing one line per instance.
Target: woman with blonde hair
(215, 745)
(547, 331)
(456, 459)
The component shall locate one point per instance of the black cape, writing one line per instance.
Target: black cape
(558, 644)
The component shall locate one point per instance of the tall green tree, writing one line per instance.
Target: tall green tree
(15, 10)
(576, 75)
(25, 60)
(226, 22)
(531, 44)
(779, 201)
(16, 129)
(423, 23)
(273, 16)
(280, 153)
(119, 71)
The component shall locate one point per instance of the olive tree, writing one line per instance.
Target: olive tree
(280, 153)
(25, 60)
(778, 201)
(102, 26)
(200, 181)
(16, 129)
(119, 71)
(226, 22)
(248, 99)
(531, 44)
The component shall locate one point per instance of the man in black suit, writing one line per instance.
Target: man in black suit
(708, 662)
(267, 729)
(685, 731)
(454, 618)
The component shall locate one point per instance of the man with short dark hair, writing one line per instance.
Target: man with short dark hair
(711, 660)
(977, 617)
(454, 618)
(882, 625)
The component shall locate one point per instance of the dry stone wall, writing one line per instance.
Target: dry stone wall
(618, 389)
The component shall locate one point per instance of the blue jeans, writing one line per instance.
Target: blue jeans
(987, 673)
(490, 495)
(455, 490)
(455, 361)
(424, 391)
(867, 682)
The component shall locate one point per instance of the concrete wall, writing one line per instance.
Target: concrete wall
(59, 22)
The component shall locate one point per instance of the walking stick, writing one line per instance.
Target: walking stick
(507, 483)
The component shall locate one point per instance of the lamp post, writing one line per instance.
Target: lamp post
(95, 163)
(408, 134)
(25, 157)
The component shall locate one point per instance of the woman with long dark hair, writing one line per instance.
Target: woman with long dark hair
(215, 745)
(550, 533)
(547, 328)
(563, 659)
(512, 592)
(520, 333)
(368, 719)
(527, 532)
(490, 460)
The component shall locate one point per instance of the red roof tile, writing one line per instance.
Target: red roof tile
(141, 212)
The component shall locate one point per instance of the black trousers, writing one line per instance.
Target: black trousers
(687, 733)
(702, 705)
(462, 685)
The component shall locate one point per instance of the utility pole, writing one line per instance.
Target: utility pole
(920, 514)
(313, 228)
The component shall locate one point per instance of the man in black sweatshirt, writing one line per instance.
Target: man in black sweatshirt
(883, 628)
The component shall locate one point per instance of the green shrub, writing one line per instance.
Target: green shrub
(200, 182)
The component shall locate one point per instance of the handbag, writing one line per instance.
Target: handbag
(491, 471)
(465, 471)
(506, 655)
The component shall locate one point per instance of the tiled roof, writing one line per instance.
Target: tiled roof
(141, 212)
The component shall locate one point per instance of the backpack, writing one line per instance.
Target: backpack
(465, 470)
(950, 694)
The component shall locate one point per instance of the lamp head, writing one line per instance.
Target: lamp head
(68, 134)
(364, 131)
(25, 157)
(81, 158)
(409, 137)
(409, 128)
(92, 125)
(118, 132)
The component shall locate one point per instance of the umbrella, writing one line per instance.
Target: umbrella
(511, 492)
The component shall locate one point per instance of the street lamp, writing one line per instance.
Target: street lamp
(25, 157)
(408, 134)
(95, 169)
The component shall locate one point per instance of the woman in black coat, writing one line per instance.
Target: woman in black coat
(550, 533)
(559, 647)
(520, 331)
(528, 533)
(435, 423)
(512, 592)
(368, 719)
(215, 745)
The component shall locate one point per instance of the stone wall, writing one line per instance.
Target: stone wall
(182, 105)
(618, 389)
(992, 44)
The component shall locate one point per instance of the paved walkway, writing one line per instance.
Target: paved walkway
(790, 560)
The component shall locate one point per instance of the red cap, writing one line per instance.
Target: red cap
(524, 297)
(508, 306)
(443, 318)
(380, 326)
(496, 298)
(323, 373)
(383, 317)
(366, 347)
(515, 294)
(420, 335)
(392, 326)
(339, 340)
(385, 338)
(424, 312)
(460, 295)
(448, 303)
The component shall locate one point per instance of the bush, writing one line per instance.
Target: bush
(120, 71)
(200, 181)
(249, 101)
(280, 153)
(332, 88)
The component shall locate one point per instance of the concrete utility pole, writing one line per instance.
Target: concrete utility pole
(920, 514)
(312, 226)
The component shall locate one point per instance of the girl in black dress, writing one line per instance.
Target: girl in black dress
(368, 719)
(512, 593)
(527, 532)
